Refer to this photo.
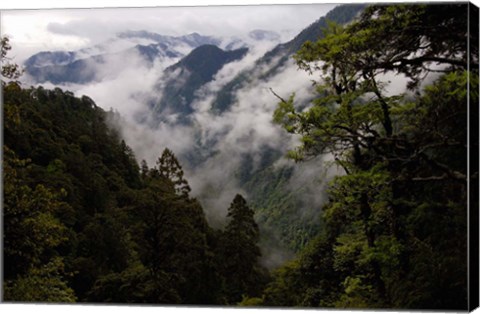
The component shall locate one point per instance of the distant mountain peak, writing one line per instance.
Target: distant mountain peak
(279, 55)
(61, 67)
(194, 34)
(260, 34)
(206, 60)
(189, 74)
(193, 39)
(139, 33)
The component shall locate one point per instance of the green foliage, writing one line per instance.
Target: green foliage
(239, 253)
(31, 227)
(251, 302)
(401, 204)
(284, 288)
(170, 169)
(83, 222)
(132, 285)
(75, 194)
(43, 284)
(286, 219)
(171, 234)
(308, 281)
(10, 71)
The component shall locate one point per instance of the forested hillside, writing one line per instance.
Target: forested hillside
(83, 222)
(395, 227)
(393, 93)
(278, 56)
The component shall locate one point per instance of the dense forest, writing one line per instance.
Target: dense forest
(84, 222)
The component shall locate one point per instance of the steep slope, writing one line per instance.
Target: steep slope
(184, 78)
(83, 223)
(268, 65)
(285, 214)
(290, 215)
(83, 66)
(62, 67)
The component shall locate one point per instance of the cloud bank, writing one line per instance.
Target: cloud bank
(218, 143)
(71, 29)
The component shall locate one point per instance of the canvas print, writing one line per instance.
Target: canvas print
(294, 156)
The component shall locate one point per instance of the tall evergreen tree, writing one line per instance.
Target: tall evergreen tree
(168, 167)
(240, 253)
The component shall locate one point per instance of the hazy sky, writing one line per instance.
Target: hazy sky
(70, 29)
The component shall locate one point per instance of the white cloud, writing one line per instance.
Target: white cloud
(35, 30)
(129, 86)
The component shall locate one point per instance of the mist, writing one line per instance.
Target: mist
(130, 85)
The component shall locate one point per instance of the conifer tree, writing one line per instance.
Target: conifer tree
(144, 169)
(243, 274)
(170, 168)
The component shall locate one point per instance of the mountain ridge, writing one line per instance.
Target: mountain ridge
(190, 73)
(340, 14)
(60, 67)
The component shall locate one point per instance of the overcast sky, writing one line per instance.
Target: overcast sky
(70, 29)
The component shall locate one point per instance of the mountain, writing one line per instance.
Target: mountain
(49, 58)
(259, 34)
(184, 78)
(61, 67)
(78, 71)
(288, 215)
(192, 40)
(82, 66)
(268, 65)
(284, 214)
(169, 106)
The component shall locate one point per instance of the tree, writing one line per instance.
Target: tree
(171, 232)
(412, 39)
(144, 169)
(42, 284)
(10, 71)
(398, 153)
(240, 253)
(168, 167)
(32, 233)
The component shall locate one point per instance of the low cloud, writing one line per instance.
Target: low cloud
(37, 30)
(219, 143)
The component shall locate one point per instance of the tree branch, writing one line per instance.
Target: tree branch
(451, 173)
(278, 96)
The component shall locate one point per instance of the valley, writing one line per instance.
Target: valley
(300, 156)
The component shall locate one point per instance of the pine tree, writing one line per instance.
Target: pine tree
(240, 252)
(242, 224)
(144, 169)
(170, 168)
